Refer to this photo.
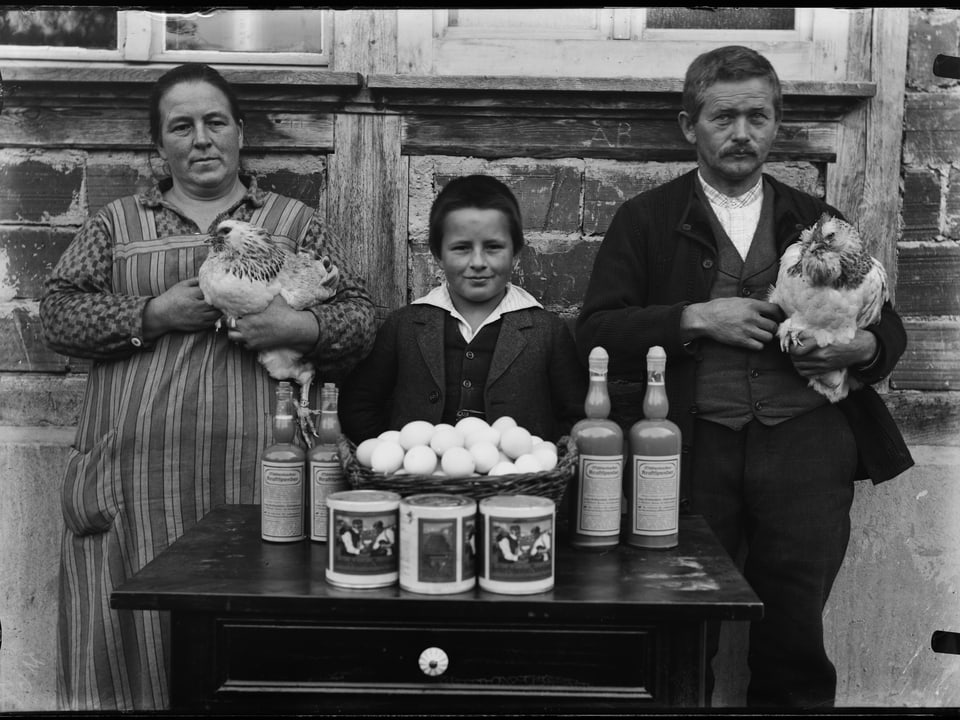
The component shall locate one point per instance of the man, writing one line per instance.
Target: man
(384, 541)
(540, 549)
(351, 538)
(766, 460)
(508, 544)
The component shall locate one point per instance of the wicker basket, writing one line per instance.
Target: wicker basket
(550, 484)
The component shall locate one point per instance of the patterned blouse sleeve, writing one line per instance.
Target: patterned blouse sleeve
(80, 313)
(347, 323)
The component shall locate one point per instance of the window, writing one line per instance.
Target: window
(728, 24)
(289, 37)
(647, 42)
(61, 32)
(720, 18)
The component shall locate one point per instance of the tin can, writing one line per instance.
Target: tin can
(438, 543)
(362, 549)
(517, 541)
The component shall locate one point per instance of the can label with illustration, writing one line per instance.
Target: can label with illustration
(518, 544)
(362, 548)
(438, 543)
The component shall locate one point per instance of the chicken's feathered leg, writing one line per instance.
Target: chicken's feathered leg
(305, 413)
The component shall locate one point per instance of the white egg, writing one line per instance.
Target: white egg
(504, 467)
(471, 423)
(516, 441)
(504, 422)
(484, 434)
(444, 438)
(485, 456)
(387, 457)
(415, 432)
(546, 444)
(458, 462)
(391, 435)
(365, 450)
(420, 460)
(528, 463)
(546, 456)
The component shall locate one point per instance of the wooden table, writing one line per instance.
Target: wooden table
(255, 626)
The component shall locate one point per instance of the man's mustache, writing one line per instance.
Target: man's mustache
(739, 150)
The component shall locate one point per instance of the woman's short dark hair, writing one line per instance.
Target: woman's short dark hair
(188, 72)
(724, 64)
(475, 191)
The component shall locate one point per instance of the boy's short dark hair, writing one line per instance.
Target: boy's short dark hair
(723, 64)
(475, 191)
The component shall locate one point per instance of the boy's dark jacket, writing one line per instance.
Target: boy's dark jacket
(534, 376)
(660, 257)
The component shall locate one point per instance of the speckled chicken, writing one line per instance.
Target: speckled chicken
(829, 285)
(242, 274)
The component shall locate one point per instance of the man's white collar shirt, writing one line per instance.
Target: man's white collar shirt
(515, 298)
(739, 216)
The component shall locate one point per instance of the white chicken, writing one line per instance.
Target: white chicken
(829, 285)
(244, 271)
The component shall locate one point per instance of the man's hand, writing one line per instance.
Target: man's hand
(809, 359)
(180, 308)
(742, 322)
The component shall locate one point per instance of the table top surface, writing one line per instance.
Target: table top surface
(221, 565)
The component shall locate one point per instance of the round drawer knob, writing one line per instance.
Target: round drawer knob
(433, 661)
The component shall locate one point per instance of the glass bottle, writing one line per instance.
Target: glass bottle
(598, 485)
(653, 495)
(324, 466)
(282, 469)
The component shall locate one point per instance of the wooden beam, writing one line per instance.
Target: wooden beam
(367, 189)
(620, 85)
(620, 139)
(587, 97)
(865, 184)
(113, 73)
(124, 128)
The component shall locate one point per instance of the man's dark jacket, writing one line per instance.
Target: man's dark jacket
(659, 255)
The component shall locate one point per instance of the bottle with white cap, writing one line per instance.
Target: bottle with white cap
(598, 487)
(653, 493)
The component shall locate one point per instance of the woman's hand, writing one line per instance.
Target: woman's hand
(181, 308)
(279, 325)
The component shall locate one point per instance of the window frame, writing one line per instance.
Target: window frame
(141, 36)
(618, 44)
(619, 23)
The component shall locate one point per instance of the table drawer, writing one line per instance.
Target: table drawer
(544, 660)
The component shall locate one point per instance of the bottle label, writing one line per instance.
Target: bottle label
(599, 494)
(326, 477)
(281, 509)
(655, 492)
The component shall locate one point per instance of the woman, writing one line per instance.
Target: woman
(175, 413)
